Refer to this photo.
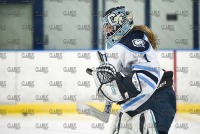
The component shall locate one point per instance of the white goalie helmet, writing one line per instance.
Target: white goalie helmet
(117, 22)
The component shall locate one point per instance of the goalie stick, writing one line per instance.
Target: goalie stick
(89, 110)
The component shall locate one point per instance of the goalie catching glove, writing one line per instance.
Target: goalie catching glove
(106, 73)
(114, 86)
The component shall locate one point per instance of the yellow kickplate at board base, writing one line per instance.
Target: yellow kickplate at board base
(70, 108)
(49, 108)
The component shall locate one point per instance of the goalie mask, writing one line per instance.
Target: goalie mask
(117, 22)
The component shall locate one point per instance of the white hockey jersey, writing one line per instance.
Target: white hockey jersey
(135, 53)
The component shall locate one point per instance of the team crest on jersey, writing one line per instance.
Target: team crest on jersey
(138, 43)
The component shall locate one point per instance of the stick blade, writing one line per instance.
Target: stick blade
(89, 110)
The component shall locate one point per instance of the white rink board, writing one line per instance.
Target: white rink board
(59, 76)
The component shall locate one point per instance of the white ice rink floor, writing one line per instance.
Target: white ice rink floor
(81, 124)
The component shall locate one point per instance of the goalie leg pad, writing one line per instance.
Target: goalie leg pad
(117, 126)
(142, 123)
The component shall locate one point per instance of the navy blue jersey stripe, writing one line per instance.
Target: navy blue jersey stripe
(147, 68)
(153, 77)
(147, 81)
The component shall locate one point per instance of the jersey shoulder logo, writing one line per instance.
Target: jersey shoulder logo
(138, 43)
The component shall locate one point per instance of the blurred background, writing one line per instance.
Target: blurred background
(76, 24)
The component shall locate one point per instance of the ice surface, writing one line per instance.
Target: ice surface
(81, 124)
